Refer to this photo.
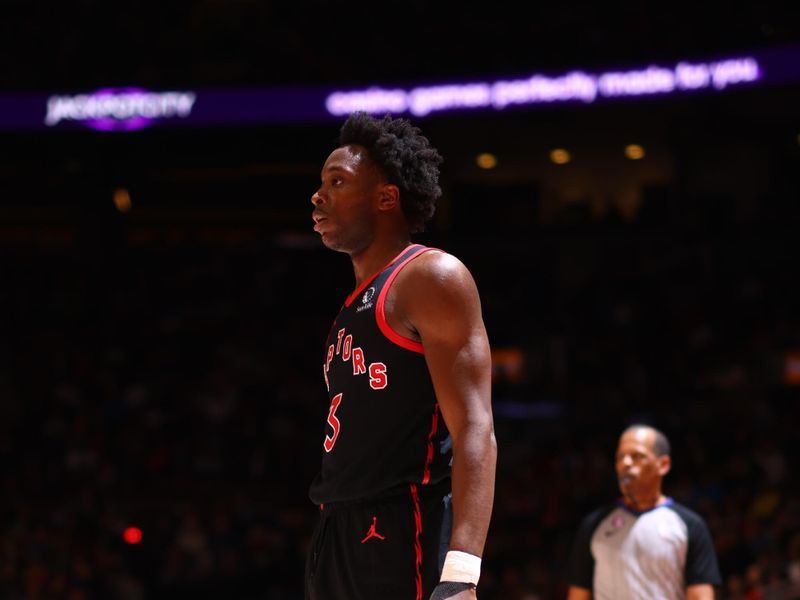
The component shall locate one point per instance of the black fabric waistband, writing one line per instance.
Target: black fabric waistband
(391, 496)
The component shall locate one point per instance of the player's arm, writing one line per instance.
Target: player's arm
(702, 591)
(441, 303)
(578, 593)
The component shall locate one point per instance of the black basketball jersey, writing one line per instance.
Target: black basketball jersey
(384, 428)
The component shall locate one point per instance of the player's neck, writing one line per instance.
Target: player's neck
(373, 258)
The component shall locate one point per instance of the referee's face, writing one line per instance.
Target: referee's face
(639, 470)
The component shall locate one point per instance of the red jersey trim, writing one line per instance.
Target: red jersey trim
(380, 315)
(426, 472)
(349, 300)
(417, 544)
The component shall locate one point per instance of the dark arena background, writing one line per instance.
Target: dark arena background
(622, 181)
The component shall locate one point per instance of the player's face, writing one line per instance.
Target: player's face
(639, 470)
(345, 205)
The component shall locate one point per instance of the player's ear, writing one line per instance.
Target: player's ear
(664, 465)
(389, 197)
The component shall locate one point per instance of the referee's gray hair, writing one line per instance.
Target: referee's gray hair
(661, 445)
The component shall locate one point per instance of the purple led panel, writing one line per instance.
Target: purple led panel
(127, 109)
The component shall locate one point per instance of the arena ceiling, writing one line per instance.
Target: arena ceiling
(93, 43)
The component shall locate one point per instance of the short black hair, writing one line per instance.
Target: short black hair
(406, 158)
(661, 445)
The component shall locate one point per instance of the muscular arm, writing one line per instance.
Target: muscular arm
(439, 301)
(578, 593)
(702, 591)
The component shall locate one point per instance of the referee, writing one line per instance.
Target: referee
(645, 546)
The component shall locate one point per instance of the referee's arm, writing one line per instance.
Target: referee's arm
(580, 565)
(702, 591)
(578, 593)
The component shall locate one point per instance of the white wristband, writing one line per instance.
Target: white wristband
(461, 567)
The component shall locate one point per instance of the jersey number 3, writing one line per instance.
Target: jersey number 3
(330, 440)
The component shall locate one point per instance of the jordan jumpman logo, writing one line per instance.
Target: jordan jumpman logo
(372, 533)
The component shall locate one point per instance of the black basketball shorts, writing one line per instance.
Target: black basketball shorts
(392, 548)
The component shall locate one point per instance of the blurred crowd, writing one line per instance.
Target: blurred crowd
(174, 389)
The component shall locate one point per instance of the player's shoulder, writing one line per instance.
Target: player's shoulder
(438, 266)
(436, 274)
(435, 278)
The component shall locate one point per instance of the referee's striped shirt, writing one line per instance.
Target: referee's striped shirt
(621, 554)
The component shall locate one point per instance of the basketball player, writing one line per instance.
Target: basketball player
(646, 545)
(407, 367)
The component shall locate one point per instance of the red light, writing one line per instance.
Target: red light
(132, 535)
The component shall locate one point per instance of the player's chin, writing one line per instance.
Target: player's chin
(331, 242)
